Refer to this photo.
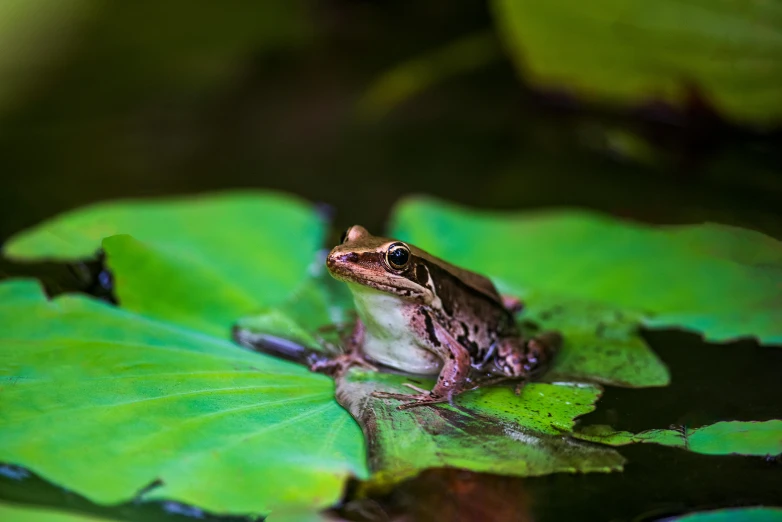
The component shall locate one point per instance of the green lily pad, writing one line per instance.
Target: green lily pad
(749, 514)
(721, 438)
(601, 343)
(202, 261)
(723, 282)
(107, 403)
(635, 51)
(489, 430)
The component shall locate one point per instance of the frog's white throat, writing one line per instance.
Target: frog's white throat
(390, 337)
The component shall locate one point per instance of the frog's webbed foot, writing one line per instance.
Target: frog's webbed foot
(422, 398)
(340, 364)
(353, 356)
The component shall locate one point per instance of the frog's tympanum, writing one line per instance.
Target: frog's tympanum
(422, 315)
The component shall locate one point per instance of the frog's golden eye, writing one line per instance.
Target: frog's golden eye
(398, 256)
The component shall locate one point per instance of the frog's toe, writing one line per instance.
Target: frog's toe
(341, 364)
(421, 400)
(413, 400)
(404, 396)
(389, 395)
(365, 364)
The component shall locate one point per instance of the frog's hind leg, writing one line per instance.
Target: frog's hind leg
(534, 358)
(422, 398)
(541, 351)
(453, 376)
(516, 360)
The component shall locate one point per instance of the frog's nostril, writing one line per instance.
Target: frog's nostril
(336, 259)
(340, 266)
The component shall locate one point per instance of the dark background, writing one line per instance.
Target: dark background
(136, 99)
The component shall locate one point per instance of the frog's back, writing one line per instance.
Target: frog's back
(473, 280)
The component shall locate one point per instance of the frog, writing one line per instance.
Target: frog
(420, 315)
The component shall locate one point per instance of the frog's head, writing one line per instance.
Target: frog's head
(384, 264)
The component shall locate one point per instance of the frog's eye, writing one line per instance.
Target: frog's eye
(398, 256)
(344, 235)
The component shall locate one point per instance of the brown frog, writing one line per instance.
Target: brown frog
(422, 315)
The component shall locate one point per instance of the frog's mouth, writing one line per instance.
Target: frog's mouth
(405, 292)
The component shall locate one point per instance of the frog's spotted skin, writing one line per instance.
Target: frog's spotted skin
(423, 315)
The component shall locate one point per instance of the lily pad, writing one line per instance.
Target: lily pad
(723, 282)
(601, 343)
(748, 514)
(721, 438)
(202, 261)
(114, 405)
(630, 52)
(488, 430)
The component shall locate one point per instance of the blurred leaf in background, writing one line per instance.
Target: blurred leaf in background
(720, 53)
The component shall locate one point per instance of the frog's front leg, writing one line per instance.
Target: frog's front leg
(453, 375)
(352, 356)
